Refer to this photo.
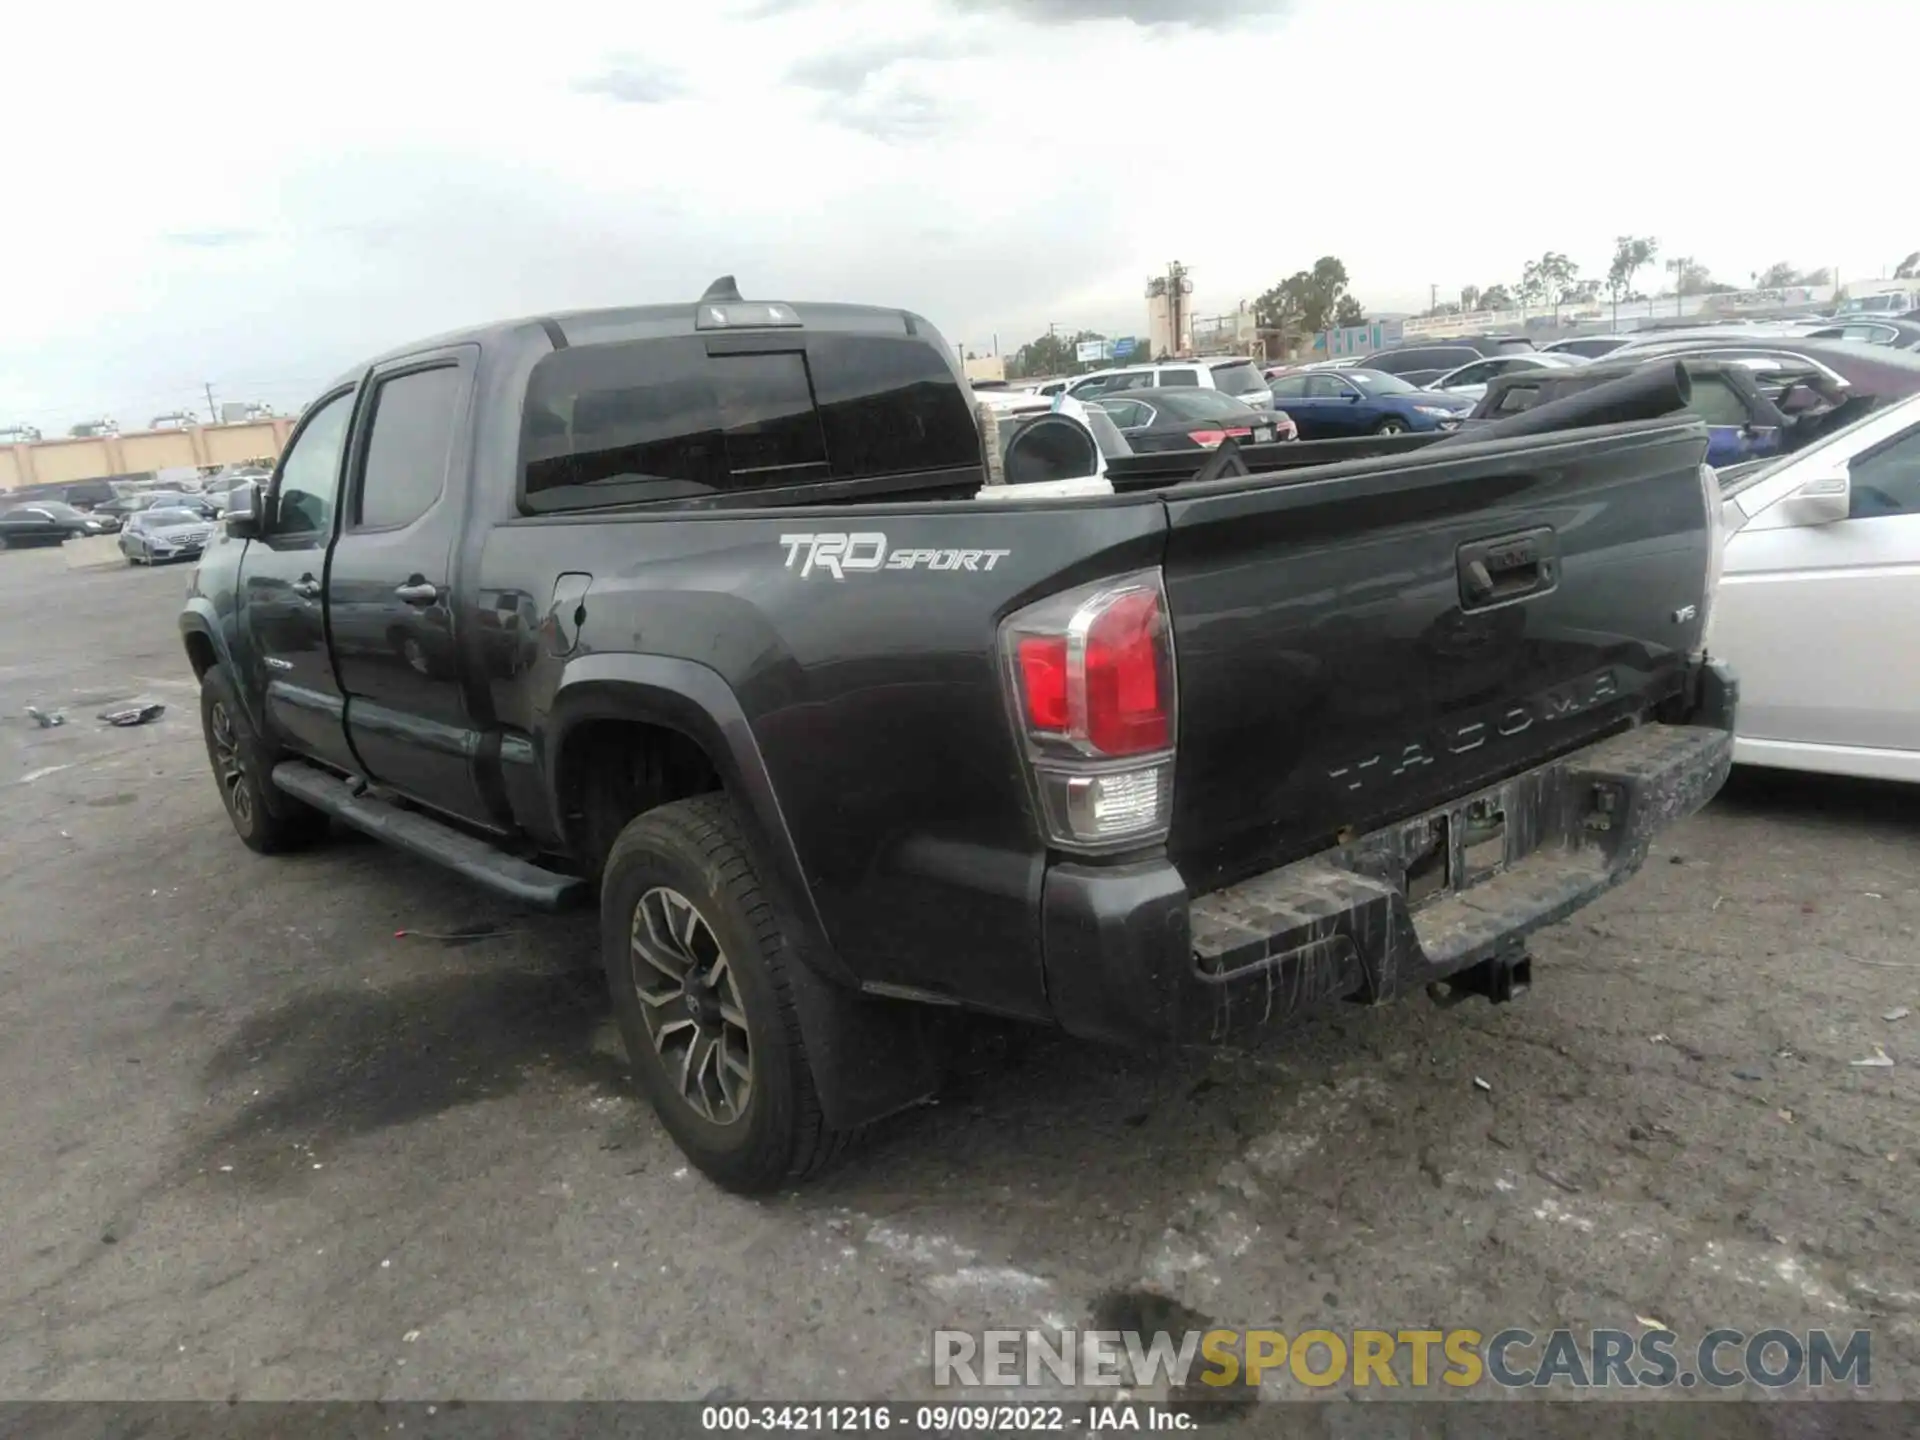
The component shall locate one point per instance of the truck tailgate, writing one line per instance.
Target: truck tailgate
(1360, 643)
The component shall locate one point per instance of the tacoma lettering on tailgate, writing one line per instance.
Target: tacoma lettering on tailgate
(1558, 702)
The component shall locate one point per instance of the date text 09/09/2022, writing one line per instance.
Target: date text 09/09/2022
(943, 1419)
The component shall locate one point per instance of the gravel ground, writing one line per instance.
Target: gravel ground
(261, 1146)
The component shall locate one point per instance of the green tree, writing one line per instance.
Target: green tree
(1496, 297)
(1349, 311)
(1469, 299)
(1049, 354)
(1909, 268)
(1309, 300)
(1631, 254)
(1549, 281)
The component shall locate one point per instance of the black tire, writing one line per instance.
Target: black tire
(1392, 425)
(693, 851)
(266, 818)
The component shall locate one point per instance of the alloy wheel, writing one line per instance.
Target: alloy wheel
(228, 767)
(690, 1001)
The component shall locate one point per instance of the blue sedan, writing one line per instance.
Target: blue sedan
(1325, 404)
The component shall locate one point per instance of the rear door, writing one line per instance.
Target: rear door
(391, 587)
(1336, 671)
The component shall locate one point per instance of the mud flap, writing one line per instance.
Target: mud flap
(870, 1056)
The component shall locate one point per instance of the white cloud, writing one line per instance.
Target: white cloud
(257, 197)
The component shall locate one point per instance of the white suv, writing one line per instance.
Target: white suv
(1233, 374)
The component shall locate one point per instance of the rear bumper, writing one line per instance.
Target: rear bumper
(1131, 959)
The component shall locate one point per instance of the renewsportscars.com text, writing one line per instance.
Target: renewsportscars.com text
(1460, 1358)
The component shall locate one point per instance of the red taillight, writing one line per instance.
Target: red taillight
(1091, 671)
(1126, 711)
(1210, 439)
(1043, 681)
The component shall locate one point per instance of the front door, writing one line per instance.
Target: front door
(282, 620)
(390, 591)
(1821, 618)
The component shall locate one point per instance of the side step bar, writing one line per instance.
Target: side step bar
(418, 834)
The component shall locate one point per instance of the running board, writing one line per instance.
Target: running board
(419, 834)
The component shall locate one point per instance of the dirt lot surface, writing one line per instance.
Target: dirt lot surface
(261, 1146)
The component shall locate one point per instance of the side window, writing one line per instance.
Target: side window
(1127, 414)
(310, 471)
(1476, 374)
(1716, 402)
(1518, 398)
(1324, 387)
(1179, 377)
(1290, 387)
(410, 445)
(1886, 481)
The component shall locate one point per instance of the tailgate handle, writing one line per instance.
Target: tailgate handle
(1507, 567)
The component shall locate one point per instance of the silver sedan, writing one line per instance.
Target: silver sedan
(164, 534)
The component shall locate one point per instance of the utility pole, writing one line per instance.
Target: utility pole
(1433, 297)
(213, 415)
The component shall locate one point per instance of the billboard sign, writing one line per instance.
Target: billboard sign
(1091, 351)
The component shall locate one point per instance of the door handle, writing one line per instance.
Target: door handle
(307, 588)
(417, 592)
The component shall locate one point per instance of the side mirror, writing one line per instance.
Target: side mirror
(246, 504)
(1823, 500)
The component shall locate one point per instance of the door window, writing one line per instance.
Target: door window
(1289, 387)
(1476, 374)
(407, 453)
(310, 470)
(1325, 387)
(1886, 481)
(1127, 414)
(1716, 402)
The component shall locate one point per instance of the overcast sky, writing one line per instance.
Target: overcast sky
(256, 195)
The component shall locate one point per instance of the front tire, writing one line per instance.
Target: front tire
(264, 817)
(698, 968)
(1392, 425)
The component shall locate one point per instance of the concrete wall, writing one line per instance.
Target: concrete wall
(59, 462)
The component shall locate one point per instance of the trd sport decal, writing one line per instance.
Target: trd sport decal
(838, 555)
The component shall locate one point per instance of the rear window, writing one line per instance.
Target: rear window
(1445, 358)
(1179, 377)
(662, 420)
(1243, 379)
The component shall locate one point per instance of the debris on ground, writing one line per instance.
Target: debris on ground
(1786, 1115)
(1554, 1179)
(1879, 1060)
(464, 935)
(1747, 1072)
(1480, 1084)
(1899, 1012)
(44, 720)
(1652, 1323)
(134, 712)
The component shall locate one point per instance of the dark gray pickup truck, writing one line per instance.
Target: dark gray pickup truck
(721, 611)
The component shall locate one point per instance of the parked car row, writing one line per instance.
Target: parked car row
(50, 522)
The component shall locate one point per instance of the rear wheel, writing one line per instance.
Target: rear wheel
(697, 965)
(1392, 425)
(264, 817)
